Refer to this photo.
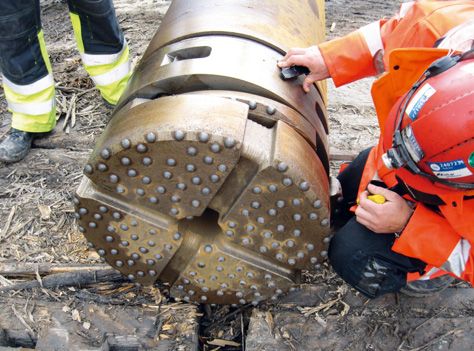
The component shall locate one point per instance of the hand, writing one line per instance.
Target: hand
(389, 217)
(310, 57)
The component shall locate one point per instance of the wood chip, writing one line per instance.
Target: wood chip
(321, 321)
(270, 322)
(76, 316)
(8, 223)
(45, 212)
(222, 342)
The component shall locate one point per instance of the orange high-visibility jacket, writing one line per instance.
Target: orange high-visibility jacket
(443, 239)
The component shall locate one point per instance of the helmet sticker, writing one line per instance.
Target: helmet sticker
(411, 144)
(419, 100)
(471, 160)
(450, 169)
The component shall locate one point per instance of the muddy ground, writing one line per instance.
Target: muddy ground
(38, 235)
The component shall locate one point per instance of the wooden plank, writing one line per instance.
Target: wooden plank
(37, 161)
(27, 269)
(59, 140)
(342, 155)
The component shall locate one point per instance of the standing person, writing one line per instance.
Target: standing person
(27, 75)
(423, 165)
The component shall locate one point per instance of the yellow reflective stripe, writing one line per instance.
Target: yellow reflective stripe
(30, 89)
(34, 124)
(112, 92)
(112, 76)
(76, 26)
(42, 102)
(104, 59)
(32, 109)
(44, 52)
(102, 70)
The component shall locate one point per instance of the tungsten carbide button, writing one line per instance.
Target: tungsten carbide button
(192, 151)
(229, 142)
(105, 154)
(282, 167)
(304, 186)
(179, 135)
(223, 168)
(215, 148)
(126, 144)
(271, 110)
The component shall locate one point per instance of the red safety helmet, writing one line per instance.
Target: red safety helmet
(429, 133)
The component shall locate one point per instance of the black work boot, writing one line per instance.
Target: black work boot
(421, 288)
(15, 146)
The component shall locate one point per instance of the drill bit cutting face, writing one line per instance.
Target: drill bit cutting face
(213, 180)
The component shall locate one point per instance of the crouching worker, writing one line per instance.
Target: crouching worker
(419, 237)
(419, 226)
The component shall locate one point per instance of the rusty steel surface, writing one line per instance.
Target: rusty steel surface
(278, 24)
(221, 63)
(212, 174)
(266, 112)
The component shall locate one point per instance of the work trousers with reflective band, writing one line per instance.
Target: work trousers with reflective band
(362, 258)
(27, 74)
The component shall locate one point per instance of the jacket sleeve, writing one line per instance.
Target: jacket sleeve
(360, 53)
(355, 55)
(431, 238)
(364, 52)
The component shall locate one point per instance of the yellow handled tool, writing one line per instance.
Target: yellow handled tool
(377, 198)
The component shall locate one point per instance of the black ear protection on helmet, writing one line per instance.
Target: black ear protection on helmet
(405, 151)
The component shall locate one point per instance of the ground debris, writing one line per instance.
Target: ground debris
(51, 292)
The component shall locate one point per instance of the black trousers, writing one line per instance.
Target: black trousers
(21, 60)
(362, 258)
